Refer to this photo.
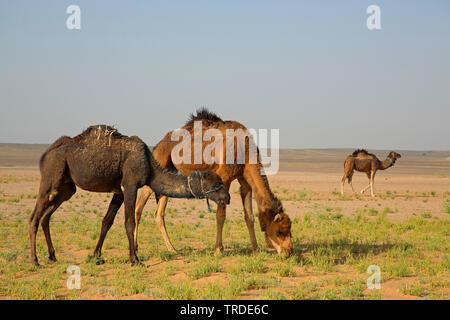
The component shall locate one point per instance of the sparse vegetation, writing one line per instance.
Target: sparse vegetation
(335, 240)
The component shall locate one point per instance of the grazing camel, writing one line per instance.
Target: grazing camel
(362, 161)
(273, 221)
(100, 159)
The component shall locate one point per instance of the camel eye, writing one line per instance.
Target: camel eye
(279, 232)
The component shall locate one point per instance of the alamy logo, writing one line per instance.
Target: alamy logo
(74, 20)
(238, 146)
(374, 20)
(74, 280)
(373, 282)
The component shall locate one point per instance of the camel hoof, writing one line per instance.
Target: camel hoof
(135, 261)
(35, 263)
(96, 258)
(52, 259)
(218, 251)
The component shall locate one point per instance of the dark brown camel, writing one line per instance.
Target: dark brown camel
(273, 221)
(101, 159)
(362, 161)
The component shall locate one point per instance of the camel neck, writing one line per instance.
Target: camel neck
(260, 186)
(167, 183)
(389, 162)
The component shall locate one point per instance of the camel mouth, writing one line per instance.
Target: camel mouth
(283, 250)
(223, 203)
(221, 199)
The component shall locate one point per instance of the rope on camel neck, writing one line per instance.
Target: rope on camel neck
(204, 193)
(392, 162)
(190, 188)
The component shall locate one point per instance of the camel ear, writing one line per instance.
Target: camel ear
(277, 218)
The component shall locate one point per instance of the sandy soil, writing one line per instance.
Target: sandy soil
(414, 186)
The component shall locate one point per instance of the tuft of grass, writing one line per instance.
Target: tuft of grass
(426, 215)
(446, 205)
(306, 291)
(251, 264)
(414, 290)
(284, 269)
(164, 255)
(353, 292)
(178, 291)
(321, 259)
(274, 295)
(205, 268)
(397, 270)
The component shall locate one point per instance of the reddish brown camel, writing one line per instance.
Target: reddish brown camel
(362, 161)
(273, 221)
(100, 159)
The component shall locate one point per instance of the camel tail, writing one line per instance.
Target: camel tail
(61, 141)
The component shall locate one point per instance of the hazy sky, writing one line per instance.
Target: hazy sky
(310, 68)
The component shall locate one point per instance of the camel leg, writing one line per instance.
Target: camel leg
(368, 186)
(246, 196)
(342, 184)
(160, 221)
(372, 178)
(43, 204)
(221, 214)
(365, 188)
(108, 221)
(143, 195)
(350, 177)
(129, 198)
(65, 192)
(348, 173)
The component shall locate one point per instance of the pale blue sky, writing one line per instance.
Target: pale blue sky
(310, 68)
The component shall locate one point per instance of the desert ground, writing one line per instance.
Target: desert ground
(404, 231)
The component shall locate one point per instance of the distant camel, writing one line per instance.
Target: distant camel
(273, 221)
(362, 161)
(100, 159)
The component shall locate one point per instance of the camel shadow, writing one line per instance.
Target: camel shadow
(305, 253)
(338, 252)
(208, 251)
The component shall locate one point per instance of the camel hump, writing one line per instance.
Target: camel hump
(102, 134)
(101, 130)
(357, 151)
(203, 114)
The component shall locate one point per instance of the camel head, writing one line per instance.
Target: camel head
(207, 184)
(394, 155)
(277, 227)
